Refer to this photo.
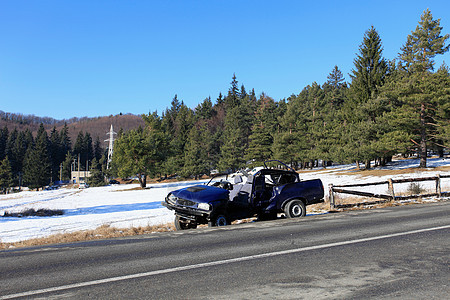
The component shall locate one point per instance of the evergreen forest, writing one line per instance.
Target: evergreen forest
(387, 107)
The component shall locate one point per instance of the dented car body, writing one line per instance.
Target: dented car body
(263, 194)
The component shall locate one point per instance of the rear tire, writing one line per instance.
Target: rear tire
(295, 209)
(219, 220)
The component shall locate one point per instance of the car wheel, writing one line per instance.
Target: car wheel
(179, 225)
(295, 209)
(219, 220)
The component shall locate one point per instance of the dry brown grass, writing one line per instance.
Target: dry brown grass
(102, 232)
(312, 171)
(443, 168)
(138, 188)
(318, 207)
(362, 203)
(385, 204)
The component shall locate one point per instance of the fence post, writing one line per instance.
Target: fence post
(438, 185)
(391, 188)
(331, 195)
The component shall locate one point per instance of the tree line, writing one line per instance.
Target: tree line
(38, 161)
(388, 107)
(32, 119)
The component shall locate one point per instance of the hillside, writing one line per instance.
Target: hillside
(99, 127)
(96, 127)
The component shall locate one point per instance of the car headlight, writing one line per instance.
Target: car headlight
(204, 206)
(171, 199)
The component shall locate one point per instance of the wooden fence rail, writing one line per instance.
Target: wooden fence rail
(391, 196)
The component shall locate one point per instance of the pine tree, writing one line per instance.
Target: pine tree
(37, 167)
(237, 127)
(443, 111)
(369, 75)
(130, 152)
(79, 147)
(233, 98)
(176, 123)
(291, 140)
(417, 56)
(6, 181)
(23, 142)
(16, 155)
(423, 44)
(65, 143)
(261, 138)
(11, 141)
(243, 92)
(196, 155)
(84, 149)
(220, 100)
(98, 150)
(247, 110)
(370, 69)
(96, 177)
(205, 109)
(10, 153)
(232, 149)
(89, 149)
(174, 108)
(4, 133)
(335, 78)
(338, 86)
(140, 152)
(169, 116)
(67, 166)
(28, 138)
(56, 157)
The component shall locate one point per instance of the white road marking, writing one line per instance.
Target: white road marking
(214, 263)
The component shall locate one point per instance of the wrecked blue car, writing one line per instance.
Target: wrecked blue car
(263, 194)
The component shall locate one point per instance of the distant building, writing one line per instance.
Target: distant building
(80, 176)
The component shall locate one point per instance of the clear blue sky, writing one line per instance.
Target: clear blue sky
(91, 58)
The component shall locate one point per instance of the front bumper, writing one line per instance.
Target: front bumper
(188, 212)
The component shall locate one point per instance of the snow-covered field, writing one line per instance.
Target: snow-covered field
(125, 206)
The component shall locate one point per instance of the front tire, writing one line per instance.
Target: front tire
(219, 220)
(180, 225)
(295, 209)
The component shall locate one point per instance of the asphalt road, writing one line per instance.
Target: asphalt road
(395, 252)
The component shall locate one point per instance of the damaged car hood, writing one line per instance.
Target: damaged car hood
(201, 193)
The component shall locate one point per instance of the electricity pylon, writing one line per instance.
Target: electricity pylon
(111, 145)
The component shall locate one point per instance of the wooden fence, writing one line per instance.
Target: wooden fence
(386, 197)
